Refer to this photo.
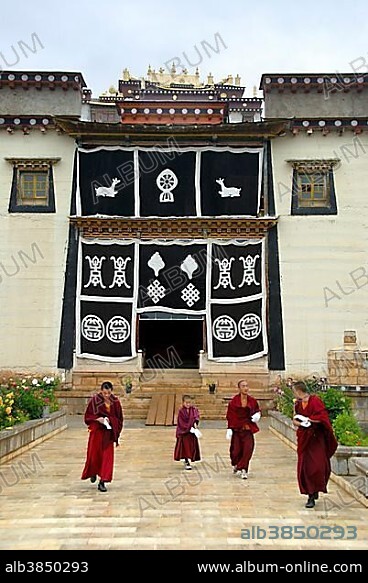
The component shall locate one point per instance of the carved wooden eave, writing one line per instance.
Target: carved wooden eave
(173, 228)
(238, 134)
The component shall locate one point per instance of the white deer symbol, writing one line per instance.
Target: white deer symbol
(227, 190)
(107, 190)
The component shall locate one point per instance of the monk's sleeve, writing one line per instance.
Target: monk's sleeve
(91, 414)
(231, 417)
(117, 420)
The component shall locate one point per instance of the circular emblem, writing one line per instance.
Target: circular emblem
(250, 326)
(118, 329)
(224, 328)
(92, 328)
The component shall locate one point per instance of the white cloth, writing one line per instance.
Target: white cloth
(304, 421)
(229, 434)
(196, 432)
(256, 417)
(106, 423)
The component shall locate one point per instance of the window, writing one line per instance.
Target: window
(32, 188)
(313, 188)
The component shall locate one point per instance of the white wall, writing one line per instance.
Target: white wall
(319, 253)
(31, 295)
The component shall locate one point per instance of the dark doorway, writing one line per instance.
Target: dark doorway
(171, 343)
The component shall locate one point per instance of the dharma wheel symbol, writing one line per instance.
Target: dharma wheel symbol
(166, 182)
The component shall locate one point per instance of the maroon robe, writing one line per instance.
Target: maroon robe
(187, 445)
(315, 446)
(242, 440)
(100, 449)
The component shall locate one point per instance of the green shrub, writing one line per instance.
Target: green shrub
(348, 431)
(335, 402)
(23, 399)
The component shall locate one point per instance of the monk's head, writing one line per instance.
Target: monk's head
(187, 401)
(300, 389)
(106, 390)
(243, 387)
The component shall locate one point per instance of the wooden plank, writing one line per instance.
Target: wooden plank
(178, 403)
(170, 410)
(161, 410)
(152, 411)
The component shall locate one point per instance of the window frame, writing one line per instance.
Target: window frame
(32, 166)
(325, 168)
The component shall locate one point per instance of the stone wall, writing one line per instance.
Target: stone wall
(21, 437)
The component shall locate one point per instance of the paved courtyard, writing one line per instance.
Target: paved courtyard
(153, 503)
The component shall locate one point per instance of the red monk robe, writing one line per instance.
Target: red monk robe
(100, 450)
(316, 445)
(187, 445)
(242, 440)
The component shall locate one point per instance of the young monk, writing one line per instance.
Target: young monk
(242, 416)
(104, 417)
(316, 443)
(187, 434)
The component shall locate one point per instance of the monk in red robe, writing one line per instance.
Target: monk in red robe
(243, 414)
(187, 444)
(316, 443)
(104, 417)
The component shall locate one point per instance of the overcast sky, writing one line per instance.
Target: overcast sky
(226, 37)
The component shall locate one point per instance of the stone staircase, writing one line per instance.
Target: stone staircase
(174, 382)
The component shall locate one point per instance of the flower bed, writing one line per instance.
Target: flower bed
(27, 398)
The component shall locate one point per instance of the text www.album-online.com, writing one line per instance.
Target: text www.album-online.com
(303, 567)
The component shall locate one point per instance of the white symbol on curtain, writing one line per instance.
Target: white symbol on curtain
(227, 191)
(166, 182)
(250, 326)
(156, 291)
(92, 328)
(95, 266)
(249, 275)
(117, 329)
(189, 266)
(190, 295)
(119, 272)
(224, 328)
(107, 190)
(156, 263)
(224, 273)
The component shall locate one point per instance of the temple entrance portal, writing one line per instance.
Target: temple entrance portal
(170, 340)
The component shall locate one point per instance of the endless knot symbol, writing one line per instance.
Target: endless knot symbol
(190, 295)
(156, 291)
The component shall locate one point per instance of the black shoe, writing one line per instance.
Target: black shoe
(311, 503)
(315, 495)
(93, 479)
(101, 486)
